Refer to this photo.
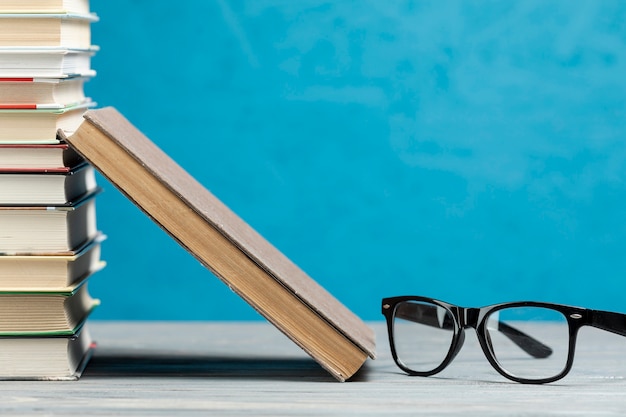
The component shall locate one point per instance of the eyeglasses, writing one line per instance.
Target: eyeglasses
(527, 342)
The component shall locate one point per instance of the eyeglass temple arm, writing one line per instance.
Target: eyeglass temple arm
(428, 315)
(609, 321)
(528, 344)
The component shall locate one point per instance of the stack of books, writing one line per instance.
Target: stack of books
(49, 242)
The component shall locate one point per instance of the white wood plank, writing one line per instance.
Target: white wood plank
(252, 369)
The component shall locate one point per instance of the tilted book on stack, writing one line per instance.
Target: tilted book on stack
(224, 243)
(49, 244)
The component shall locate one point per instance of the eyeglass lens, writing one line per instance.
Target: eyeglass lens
(423, 335)
(544, 325)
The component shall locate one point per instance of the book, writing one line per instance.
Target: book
(41, 93)
(35, 157)
(44, 6)
(51, 358)
(46, 62)
(37, 229)
(37, 187)
(45, 314)
(50, 272)
(224, 243)
(46, 29)
(39, 126)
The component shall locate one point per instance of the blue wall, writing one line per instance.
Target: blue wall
(470, 151)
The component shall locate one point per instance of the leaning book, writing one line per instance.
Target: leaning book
(264, 277)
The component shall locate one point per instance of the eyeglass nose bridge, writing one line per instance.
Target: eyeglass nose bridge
(468, 317)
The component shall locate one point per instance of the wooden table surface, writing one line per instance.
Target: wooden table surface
(230, 368)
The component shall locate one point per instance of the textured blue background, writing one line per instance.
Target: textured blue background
(470, 151)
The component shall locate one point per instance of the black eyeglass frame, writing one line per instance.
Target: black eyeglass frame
(475, 318)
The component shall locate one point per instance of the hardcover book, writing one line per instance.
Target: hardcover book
(41, 93)
(45, 358)
(46, 29)
(46, 62)
(46, 187)
(39, 126)
(45, 313)
(45, 6)
(50, 272)
(34, 157)
(36, 229)
(264, 277)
